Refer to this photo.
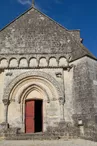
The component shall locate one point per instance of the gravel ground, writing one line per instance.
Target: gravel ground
(73, 142)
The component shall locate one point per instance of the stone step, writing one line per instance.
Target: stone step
(30, 137)
(38, 136)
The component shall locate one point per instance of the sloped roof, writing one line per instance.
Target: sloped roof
(35, 33)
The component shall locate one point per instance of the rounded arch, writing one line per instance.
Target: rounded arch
(62, 56)
(13, 62)
(43, 61)
(33, 62)
(53, 61)
(22, 58)
(42, 77)
(23, 62)
(3, 58)
(12, 58)
(3, 62)
(62, 61)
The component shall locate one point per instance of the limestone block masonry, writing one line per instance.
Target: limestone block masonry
(48, 81)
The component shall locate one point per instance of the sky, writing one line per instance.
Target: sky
(72, 14)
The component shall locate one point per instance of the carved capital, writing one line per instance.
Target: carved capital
(70, 67)
(68, 57)
(6, 102)
(1, 70)
(4, 126)
(61, 101)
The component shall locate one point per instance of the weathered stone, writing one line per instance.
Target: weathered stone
(42, 61)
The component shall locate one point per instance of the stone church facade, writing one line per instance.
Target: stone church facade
(48, 79)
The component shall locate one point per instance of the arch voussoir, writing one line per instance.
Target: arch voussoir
(34, 74)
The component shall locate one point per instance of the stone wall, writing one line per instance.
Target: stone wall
(78, 108)
(82, 90)
(68, 106)
(92, 67)
(85, 96)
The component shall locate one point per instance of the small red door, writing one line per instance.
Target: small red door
(30, 117)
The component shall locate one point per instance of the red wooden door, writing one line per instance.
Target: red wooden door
(30, 116)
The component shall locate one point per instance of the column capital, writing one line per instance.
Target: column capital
(61, 101)
(1, 70)
(5, 101)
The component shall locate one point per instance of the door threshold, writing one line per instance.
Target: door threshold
(34, 133)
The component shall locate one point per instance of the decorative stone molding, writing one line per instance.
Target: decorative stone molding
(24, 61)
(6, 102)
(61, 101)
(30, 88)
(70, 67)
(43, 75)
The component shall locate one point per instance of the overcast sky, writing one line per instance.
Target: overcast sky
(72, 14)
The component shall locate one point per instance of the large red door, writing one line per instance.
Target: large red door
(30, 117)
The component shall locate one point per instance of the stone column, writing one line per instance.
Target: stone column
(61, 101)
(6, 103)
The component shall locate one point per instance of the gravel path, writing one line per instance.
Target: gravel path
(73, 142)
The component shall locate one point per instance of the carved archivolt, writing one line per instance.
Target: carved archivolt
(32, 87)
(33, 62)
(29, 79)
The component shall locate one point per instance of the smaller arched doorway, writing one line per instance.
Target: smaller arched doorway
(33, 116)
(33, 100)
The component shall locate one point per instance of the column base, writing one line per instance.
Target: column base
(3, 128)
(4, 125)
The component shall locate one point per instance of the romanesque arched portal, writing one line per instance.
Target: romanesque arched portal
(34, 86)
